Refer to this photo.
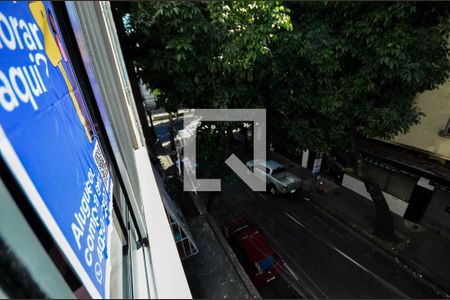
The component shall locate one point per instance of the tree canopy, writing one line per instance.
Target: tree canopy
(357, 68)
(327, 72)
(201, 54)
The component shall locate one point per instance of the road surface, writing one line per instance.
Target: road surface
(323, 258)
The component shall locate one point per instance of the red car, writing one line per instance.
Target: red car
(257, 257)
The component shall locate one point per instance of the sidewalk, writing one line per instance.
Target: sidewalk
(212, 273)
(420, 249)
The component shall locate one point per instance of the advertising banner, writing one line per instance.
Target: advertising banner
(49, 143)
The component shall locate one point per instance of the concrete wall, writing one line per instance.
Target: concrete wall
(425, 136)
(396, 205)
(438, 211)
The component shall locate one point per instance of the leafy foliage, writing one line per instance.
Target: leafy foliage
(203, 54)
(327, 72)
(358, 67)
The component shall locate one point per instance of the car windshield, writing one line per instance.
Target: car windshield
(266, 263)
(278, 170)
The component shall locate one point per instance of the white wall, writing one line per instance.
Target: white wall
(438, 211)
(169, 277)
(305, 157)
(161, 275)
(396, 205)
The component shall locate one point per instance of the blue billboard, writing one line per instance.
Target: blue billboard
(49, 143)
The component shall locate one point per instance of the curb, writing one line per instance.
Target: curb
(397, 257)
(240, 270)
(386, 250)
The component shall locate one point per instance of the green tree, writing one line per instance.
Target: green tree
(205, 54)
(328, 73)
(355, 73)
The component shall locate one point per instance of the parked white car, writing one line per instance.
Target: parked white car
(277, 178)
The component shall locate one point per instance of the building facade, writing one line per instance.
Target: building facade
(82, 213)
(432, 134)
(432, 139)
(414, 169)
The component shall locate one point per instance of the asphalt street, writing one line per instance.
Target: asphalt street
(323, 259)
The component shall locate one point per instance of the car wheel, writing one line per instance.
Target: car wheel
(272, 190)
